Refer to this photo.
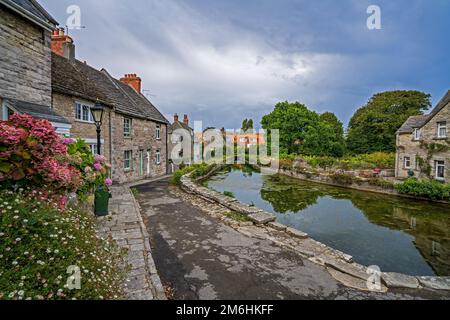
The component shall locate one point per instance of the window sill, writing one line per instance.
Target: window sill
(440, 138)
(86, 122)
(127, 170)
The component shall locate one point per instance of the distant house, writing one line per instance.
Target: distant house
(181, 143)
(423, 145)
(25, 62)
(134, 132)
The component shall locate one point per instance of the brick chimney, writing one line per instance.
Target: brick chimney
(175, 118)
(62, 44)
(186, 120)
(132, 80)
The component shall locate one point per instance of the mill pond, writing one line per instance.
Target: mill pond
(397, 234)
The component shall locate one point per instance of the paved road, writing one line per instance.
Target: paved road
(201, 258)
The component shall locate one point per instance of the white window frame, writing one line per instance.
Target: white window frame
(442, 125)
(405, 160)
(158, 156)
(158, 132)
(130, 160)
(82, 105)
(5, 110)
(438, 164)
(417, 134)
(130, 132)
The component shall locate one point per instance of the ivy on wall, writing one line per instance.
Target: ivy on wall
(431, 149)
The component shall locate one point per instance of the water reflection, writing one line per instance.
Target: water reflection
(399, 235)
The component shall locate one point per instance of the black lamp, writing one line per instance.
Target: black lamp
(97, 114)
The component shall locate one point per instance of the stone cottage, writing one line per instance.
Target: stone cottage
(181, 143)
(25, 63)
(134, 132)
(423, 145)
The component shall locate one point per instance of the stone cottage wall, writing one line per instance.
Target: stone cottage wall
(65, 106)
(143, 139)
(408, 147)
(25, 64)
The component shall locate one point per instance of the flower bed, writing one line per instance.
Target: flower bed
(41, 242)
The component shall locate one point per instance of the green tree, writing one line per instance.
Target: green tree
(339, 146)
(247, 124)
(373, 127)
(302, 131)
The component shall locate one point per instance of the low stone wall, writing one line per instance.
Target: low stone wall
(362, 185)
(340, 265)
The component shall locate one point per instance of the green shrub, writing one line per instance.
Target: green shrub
(39, 242)
(199, 170)
(377, 182)
(425, 189)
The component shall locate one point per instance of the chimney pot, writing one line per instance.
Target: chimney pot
(132, 80)
(186, 119)
(62, 44)
(175, 118)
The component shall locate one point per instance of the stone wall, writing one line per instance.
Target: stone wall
(408, 147)
(65, 106)
(25, 64)
(143, 139)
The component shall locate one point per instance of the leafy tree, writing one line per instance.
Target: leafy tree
(373, 127)
(302, 131)
(247, 125)
(339, 146)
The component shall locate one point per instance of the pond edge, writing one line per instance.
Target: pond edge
(326, 256)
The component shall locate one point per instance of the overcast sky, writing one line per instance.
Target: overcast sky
(224, 60)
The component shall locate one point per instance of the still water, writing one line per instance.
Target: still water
(397, 234)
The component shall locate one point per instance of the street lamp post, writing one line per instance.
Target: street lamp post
(102, 194)
(97, 114)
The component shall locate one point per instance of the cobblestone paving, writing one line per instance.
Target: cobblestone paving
(125, 225)
(199, 256)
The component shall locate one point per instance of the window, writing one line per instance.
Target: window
(158, 156)
(127, 160)
(93, 147)
(158, 132)
(416, 134)
(442, 129)
(83, 112)
(407, 162)
(440, 170)
(127, 127)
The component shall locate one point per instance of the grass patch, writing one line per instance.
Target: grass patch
(237, 217)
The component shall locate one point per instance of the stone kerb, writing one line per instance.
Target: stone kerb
(335, 261)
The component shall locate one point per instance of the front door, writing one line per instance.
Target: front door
(141, 162)
(148, 162)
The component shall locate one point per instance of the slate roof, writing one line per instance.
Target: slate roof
(419, 121)
(413, 123)
(36, 110)
(33, 11)
(76, 78)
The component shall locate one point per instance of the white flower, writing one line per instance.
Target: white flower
(16, 217)
(21, 293)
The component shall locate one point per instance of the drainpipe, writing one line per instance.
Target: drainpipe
(167, 149)
(396, 156)
(110, 142)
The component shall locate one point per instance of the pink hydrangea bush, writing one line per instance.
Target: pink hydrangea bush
(33, 154)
